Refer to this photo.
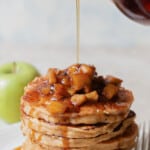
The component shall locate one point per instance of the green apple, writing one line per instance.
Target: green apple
(13, 78)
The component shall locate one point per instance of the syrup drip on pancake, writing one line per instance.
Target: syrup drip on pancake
(65, 140)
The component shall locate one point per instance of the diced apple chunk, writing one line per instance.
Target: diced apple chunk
(92, 96)
(52, 76)
(87, 69)
(113, 80)
(45, 90)
(73, 69)
(56, 107)
(78, 99)
(79, 81)
(110, 91)
(60, 90)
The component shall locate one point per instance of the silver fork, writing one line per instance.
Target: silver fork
(143, 140)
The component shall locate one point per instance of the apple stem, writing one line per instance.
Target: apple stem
(14, 67)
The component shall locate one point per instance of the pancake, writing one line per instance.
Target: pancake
(57, 141)
(78, 131)
(122, 142)
(106, 112)
(76, 95)
(76, 109)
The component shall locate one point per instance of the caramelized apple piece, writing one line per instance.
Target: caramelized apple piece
(73, 69)
(71, 91)
(110, 91)
(56, 107)
(52, 76)
(92, 96)
(86, 69)
(65, 81)
(31, 96)
(78, 99)
(81, 77)
(80, 81)
(113, 80)
(60, 91)
(45, 90)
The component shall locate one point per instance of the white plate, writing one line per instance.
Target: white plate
(10, 137)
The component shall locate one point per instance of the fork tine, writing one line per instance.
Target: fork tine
(138, 138)
(143, 140)
(149, 136)
(143, 137)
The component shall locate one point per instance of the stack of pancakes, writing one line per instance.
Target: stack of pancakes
(75, 109)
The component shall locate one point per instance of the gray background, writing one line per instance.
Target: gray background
(52, 22)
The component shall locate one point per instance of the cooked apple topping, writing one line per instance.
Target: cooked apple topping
(92, 96)
(81, 82)
(56, 107)
(71, 88)
(52, 76)
(59, 92)
(113, 80)
(45, 90)
(31, 96)
(78, 99)
(110, 91)
(81, 77)
(89, 70)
